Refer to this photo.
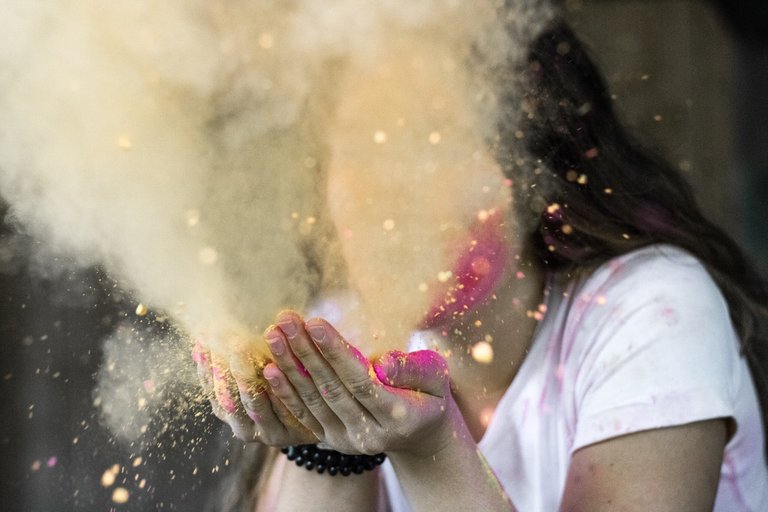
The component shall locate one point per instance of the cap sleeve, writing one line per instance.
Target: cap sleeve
(654, 347)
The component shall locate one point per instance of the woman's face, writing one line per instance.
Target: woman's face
(412, 188)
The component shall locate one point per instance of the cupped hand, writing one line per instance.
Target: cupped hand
(322, 389)
(238, 398)
(401, 403)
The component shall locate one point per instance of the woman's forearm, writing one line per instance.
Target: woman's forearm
(292, 488)
(455, 478)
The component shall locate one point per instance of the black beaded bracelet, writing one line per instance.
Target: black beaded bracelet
(312, 457)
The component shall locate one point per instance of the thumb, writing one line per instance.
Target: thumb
(424, 370)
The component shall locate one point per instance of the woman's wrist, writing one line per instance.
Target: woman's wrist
(441, 473)
(291, 487)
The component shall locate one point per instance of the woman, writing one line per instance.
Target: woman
(621, 371)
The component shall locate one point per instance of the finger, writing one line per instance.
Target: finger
(423, 370)
(224, 386)
(242, 426)
(284, 391)
(245, 373)
(299, 379)
(257, 406)
(226, 404)
(349, 364)
(297, 433)
(327, 389)
(202, 357)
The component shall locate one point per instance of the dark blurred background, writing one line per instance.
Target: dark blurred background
(689, 77)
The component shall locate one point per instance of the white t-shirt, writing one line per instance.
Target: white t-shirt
(645, 342)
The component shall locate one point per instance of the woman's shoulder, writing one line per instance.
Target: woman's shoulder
(659, 270)
(657, 303)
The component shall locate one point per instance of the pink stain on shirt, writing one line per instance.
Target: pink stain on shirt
(732, 479)
(670, 316)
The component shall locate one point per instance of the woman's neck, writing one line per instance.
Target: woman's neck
(487, 347)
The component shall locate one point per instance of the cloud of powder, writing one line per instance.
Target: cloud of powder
(227, 159)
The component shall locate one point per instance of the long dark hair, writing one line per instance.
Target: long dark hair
(600, 194)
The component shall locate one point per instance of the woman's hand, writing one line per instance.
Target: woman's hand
(402, 403)
(245, 405)
(322, 389)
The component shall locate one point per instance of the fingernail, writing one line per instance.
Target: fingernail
(272, 379)
(317, 332)
(276, 344)
(289, 328)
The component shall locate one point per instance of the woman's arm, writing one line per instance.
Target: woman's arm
(455, 478)
(667, 469)
(402, 406)
(256, 415)
(290, 488)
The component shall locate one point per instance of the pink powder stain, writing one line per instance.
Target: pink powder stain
(560, 375)
(478, 271)
(217, 376)
(222, 392)
(732, 478)
(301, 369)
(225, 401)
(420, 363)
(423, 358)
(149, 386)
(670, 316)
(256, 418)
(381, 374)
(199, 354)
(543, 397)
(52, 461)
(524, 414)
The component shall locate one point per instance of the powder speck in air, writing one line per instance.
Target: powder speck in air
(591, 153)
(380, 137)
(120, 495)
(208, 256)
(482, 352)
